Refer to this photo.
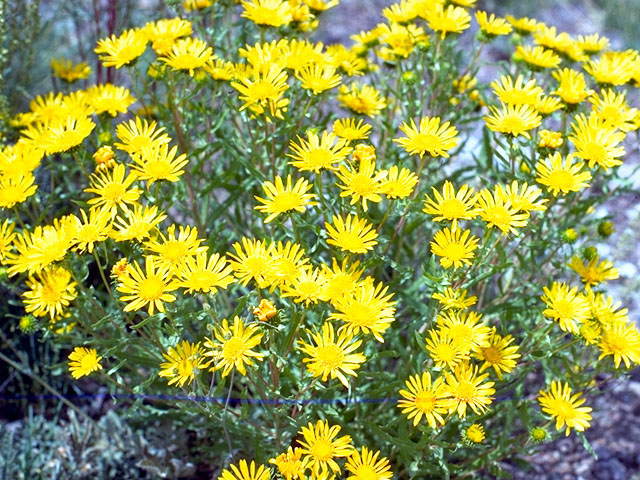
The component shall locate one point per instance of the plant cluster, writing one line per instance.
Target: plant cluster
(337, 261)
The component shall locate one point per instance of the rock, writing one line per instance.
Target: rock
(610, 469)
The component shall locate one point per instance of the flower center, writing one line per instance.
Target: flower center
(452, 208)
(564, 308)
(151, 288)
(330, 356)
(233, 348)
(322, 450)
(425, 401)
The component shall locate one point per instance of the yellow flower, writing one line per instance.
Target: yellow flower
(183, 361)
(572, 86)
(364, 465)
(163, 33)
(67, 71)
(621, 341)
(613, 68)
(537, 57)
(83, 361)
(252, 260)
(499, 354)
(518, 92)
(321, 447)
(611, 107)
(451, 19)
(150, 287)
(565, 407)
(262, 92)
(365, 99)
(136, 224)
(424, 398)
(172, 250)
(467, 389)
(232, 347)
(513, 120)
(318, 78)
(307, 286)
(38, 249)
(196, 4)
(66, 134)
(123, 50)
(352, 234)
(340, 279)
(522, 197)
(524, 25)
(455, 247)
(282, 199)
(331, 357)
(468, 332)
(49, 293)
(350, 129)
(491, 25)
(548, 105)
(290, 464)
(363, 183)
(399, 183)
(109, 98)
(475, 433)
(593, 43)
(246, 471)
(91, 229)
(273, 13)
(104, 158)
(119, 268)
(16, 188)
(159, 163)
(455, 299)
(286, 261)
(368, 309)
(562, 175)
(550, 139)
(7, 236)
(188, 54)
(444, 350)
(200, 273)
(597, 142)
(265, 310)
(138, 135)
(593, 273)
(497, 211)
(566, 306)
(451, 206)
(430, 137)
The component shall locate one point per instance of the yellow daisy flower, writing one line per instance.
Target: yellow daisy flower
(188, 54)
(365, 465)
(518, 92)
(39, 248)
(572, 86)
(351, 129)
(306, 287)
(451, 206)
(157, 163)
(273, 13)
(50, 293)
(593, 273)
(91, 229)
(524, 26)
(499, 354)
(622, 342)
(262, 92)
(451, 19)
(352, 234)
(430, 137)
(68, 71)
(318, 78)
(16, 188)
(149, 288)
(454, 247)
(136, 224)
(514, 120)
(475, 433)
(138, 135)
(423, 397)
(201, 273)
(611, 107)
(67, 134)
(163, 33)
(118, 51)
(597, 142)
(613, 68)
(109, 99)
(282, 199)
(364, 183)
(444, 350)
(290, 464)
(368, 309)
(246, 471)
(340, 279)
(491, 25)
(562, 175)
(321, 447)
(331, 357)
(593, 43)
(252, 261)
(467, 330)
(562, 404)
(497, 211)
(455, 299)
(468, 389)
(7, 236)
(566, 306)
(172, 249)
(550, 139)
(83, 361)
(399, 183)
(233, 346)
(537, 57)
(364, 100)
(183, 361)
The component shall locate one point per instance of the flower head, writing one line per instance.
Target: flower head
(365, 465)
(562, 175)
(454, 247)
(122, 50)
(183, 361)
(468, 389)
(562, 404)
(151, 287)
(83, 361)
(321, 447)
(424, 398)
(282, 199)
(430, 137)
(352, 234)
(318, 152)
(232, 346)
